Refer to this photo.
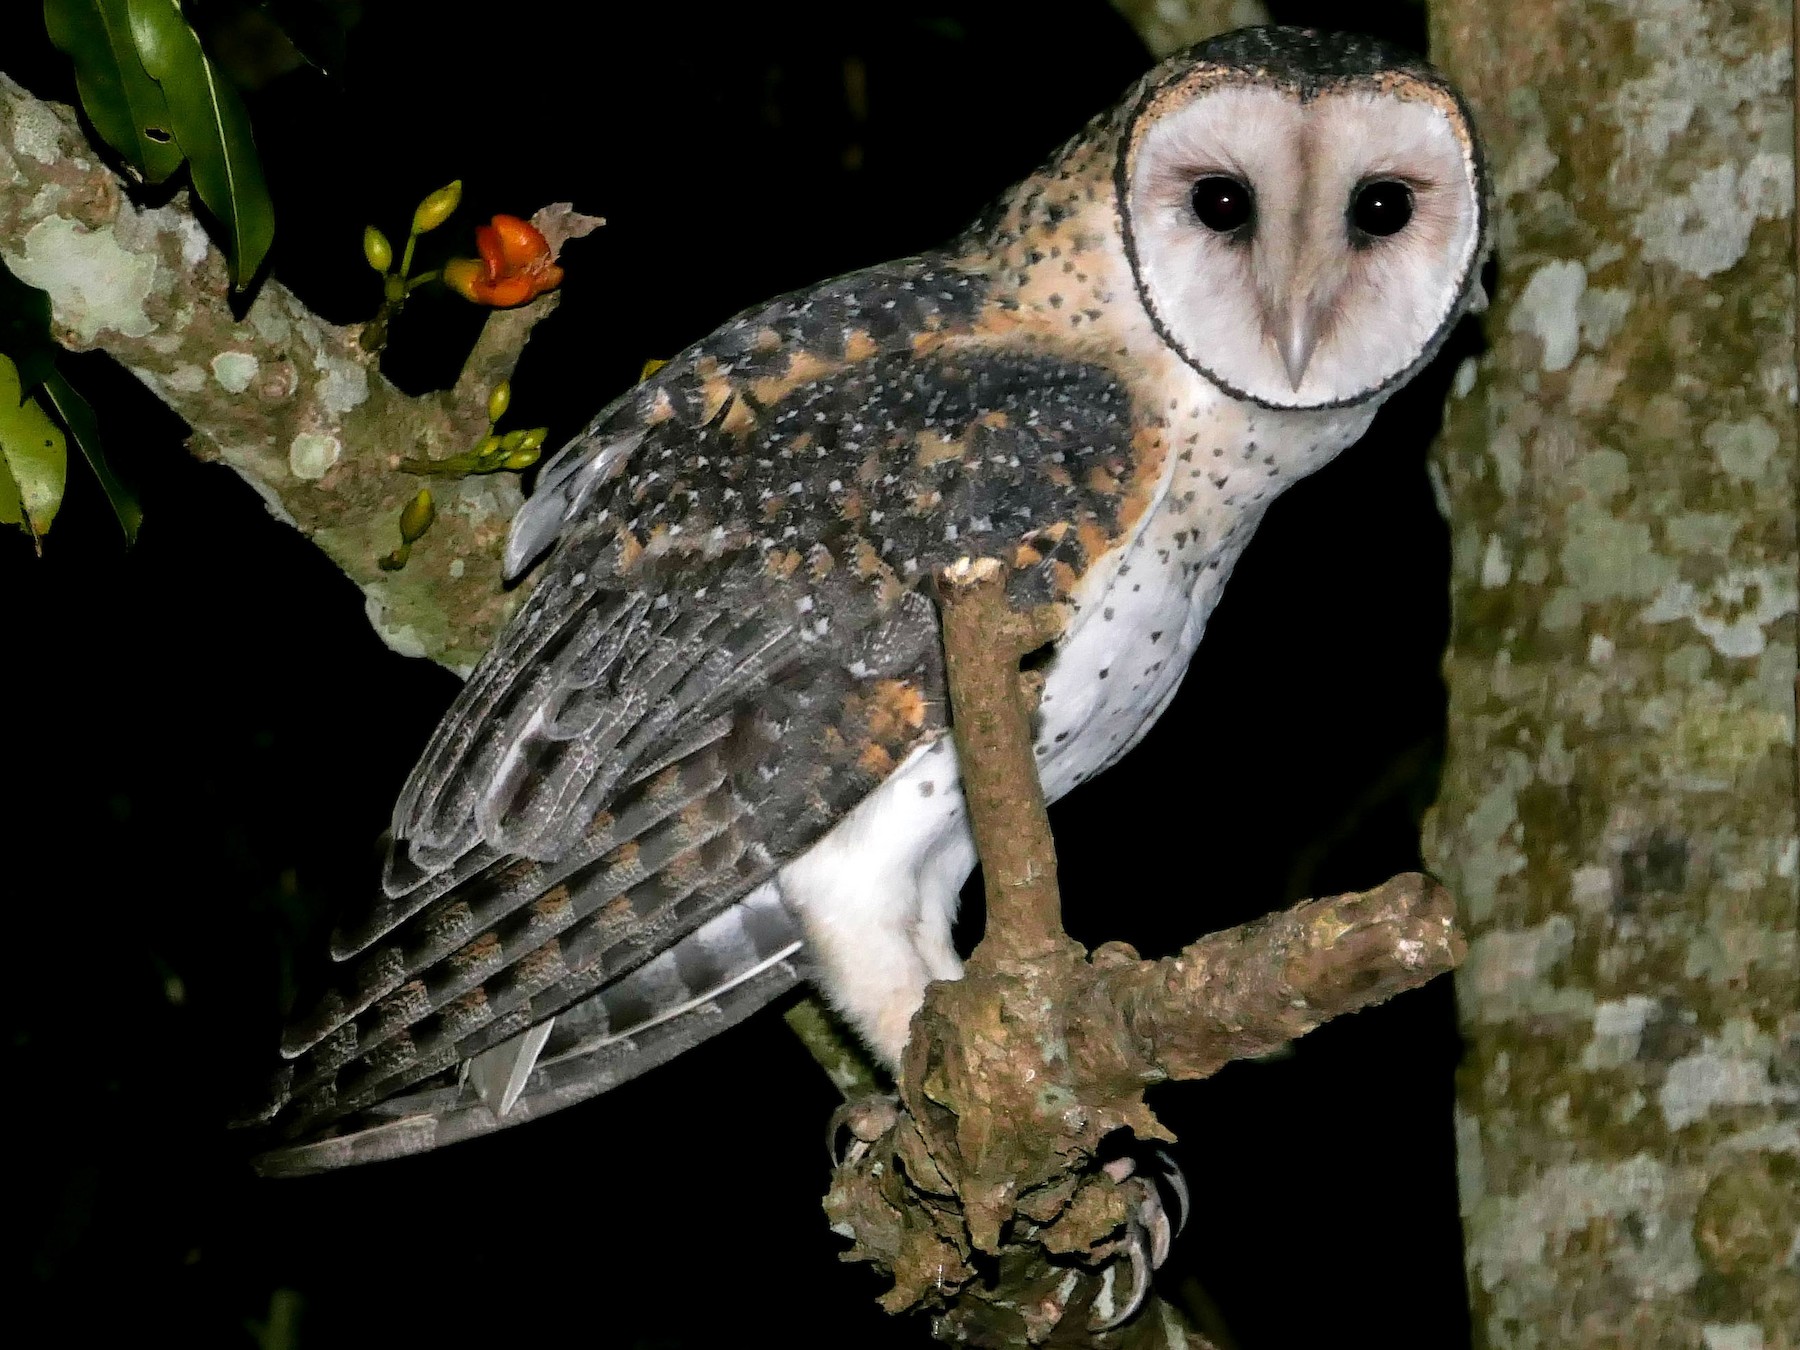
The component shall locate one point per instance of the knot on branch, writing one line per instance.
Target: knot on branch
(986, 1198)
(987, 1201)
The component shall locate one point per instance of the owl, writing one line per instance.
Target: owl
(709, 757)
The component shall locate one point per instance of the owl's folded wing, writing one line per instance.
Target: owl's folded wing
(730, 647)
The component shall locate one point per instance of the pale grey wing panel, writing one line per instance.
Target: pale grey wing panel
(799, 752)
(490, 909)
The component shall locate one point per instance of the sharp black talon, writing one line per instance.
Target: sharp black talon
(857, 1124)
(840, 1139)
(1155, 1218)
(1137, 1252)
(1171, 1184)
(1159, 1211)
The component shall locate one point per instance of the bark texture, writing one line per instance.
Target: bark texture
(1618, 810)
(291, 402)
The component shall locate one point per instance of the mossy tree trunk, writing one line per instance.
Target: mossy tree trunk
(1618, 810)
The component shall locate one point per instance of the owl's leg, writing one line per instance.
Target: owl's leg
(862, 936)
(877, 897)
(941, 877)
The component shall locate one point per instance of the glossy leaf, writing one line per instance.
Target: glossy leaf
(25, 329)
(125, 105)
(25, 338)
(319, 29)
(12, 510)
(74, 412)
(212, 129)
(33, 451)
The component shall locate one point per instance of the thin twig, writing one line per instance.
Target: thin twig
(834, 1048)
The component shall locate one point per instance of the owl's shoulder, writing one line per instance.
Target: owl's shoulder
(905, 408)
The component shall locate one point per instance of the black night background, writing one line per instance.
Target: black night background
(204, 738)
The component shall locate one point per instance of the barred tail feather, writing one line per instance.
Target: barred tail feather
(712, 979)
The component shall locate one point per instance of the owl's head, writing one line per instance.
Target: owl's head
(1304, 213)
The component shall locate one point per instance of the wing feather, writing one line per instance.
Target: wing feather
(728, 649)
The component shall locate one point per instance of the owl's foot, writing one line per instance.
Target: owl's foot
(858, 1123)
(1160, 1209)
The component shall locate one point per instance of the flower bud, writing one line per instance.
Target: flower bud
(487, 447)
(465, 276)
(533, 438)
(376, 249)
(436, 208)
(650, 368)
(416, 516)
(499, 400)
(522, 458)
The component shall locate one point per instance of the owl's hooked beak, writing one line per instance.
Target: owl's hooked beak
(1297, 295)
(1294, 329)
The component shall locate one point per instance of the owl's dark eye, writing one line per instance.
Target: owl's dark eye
(1224, 204)
(1382, 207)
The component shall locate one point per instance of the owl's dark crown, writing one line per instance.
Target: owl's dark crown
(1307, 60)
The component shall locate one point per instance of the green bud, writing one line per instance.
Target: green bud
(512, 440)
(436, 208)
(522, 458)
(417, 516)
(499, 400)
(376, 249)
(533, 438)
(393, 288)
(487, 447)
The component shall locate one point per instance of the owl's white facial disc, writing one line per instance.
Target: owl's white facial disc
(1304, 253)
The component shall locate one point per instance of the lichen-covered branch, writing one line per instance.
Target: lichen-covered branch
(1250, 990)
(833, 1047)
(1617, 813)
(289, 401)
(984, 1200)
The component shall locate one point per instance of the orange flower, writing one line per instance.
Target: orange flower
(515, 265)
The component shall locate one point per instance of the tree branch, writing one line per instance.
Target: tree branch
(289, 401)
(984, 640)
(1169, 25)
(985, 1195)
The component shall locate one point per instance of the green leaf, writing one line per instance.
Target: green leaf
(25, 329)
(122, 101)
(212, 129)
(25, 338)
(34, 452)
(12, 510)
(74, 412)
(319, 29)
